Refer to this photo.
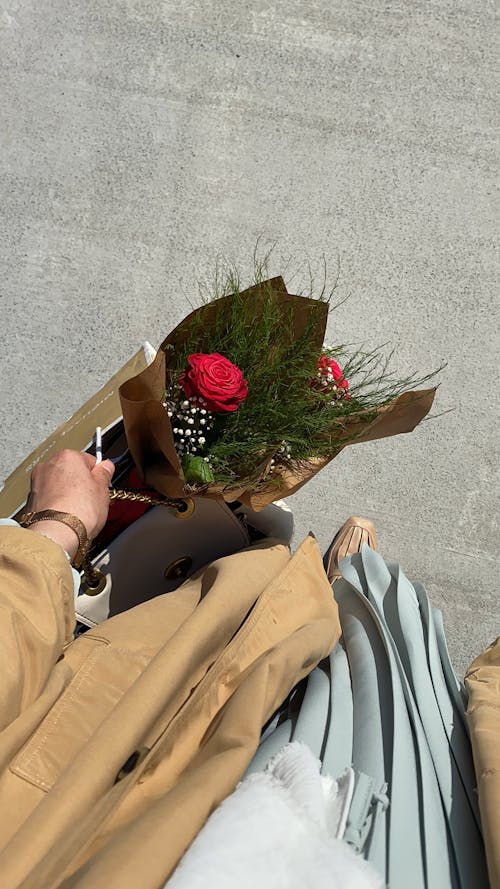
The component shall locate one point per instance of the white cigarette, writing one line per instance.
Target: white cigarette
(98, 445)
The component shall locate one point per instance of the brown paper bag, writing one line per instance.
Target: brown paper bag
(149, 431)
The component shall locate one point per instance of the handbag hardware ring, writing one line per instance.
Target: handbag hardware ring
(183, 506)
(93, 580)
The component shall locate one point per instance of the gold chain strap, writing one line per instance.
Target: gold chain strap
(181, 506)
(93, 580)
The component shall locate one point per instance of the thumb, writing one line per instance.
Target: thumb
(103, 472)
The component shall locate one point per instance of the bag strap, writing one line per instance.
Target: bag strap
(183, 506)
(93, 580)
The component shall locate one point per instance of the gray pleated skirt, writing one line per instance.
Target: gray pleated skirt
(388, 704)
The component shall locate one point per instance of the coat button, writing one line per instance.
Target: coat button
(132, 762)
(179, 569)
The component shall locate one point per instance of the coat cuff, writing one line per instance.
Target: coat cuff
(74, 572)
(56, 559)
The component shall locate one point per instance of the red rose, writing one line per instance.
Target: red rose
(330, 377)
(328, 365)
(215, 379)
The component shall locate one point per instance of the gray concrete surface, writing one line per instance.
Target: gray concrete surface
(141, 138)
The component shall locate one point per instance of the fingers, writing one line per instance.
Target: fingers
(69, 458)
(103, 472)
(90, 461)
(107, 465)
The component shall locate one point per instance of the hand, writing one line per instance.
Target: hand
(71, 482)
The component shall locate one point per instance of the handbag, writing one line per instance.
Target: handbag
(156, 554)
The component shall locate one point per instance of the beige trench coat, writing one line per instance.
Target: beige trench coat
(114, 748)
(176, 690)
(483, 713)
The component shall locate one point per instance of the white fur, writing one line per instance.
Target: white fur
(277, 831)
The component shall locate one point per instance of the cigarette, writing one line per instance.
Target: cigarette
(98, 445)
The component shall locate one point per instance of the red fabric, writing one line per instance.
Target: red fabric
(123, 513)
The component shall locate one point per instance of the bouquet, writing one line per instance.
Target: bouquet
(244, 402)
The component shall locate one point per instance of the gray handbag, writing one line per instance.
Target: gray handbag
(157, 553)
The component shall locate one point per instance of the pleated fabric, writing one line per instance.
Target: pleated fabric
(388, 703)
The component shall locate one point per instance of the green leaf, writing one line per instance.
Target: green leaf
(196, 469)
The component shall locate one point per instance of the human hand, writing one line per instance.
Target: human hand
(71, 482)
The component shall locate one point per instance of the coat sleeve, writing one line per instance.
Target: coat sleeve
(37, 615)
(483, 714)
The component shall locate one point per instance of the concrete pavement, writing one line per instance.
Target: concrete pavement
(139, 139)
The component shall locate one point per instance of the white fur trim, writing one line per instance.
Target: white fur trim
(277, 831)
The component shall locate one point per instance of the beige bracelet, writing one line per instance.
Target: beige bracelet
(72, 521)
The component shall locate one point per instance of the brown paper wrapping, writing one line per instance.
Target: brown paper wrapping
(149, 432)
